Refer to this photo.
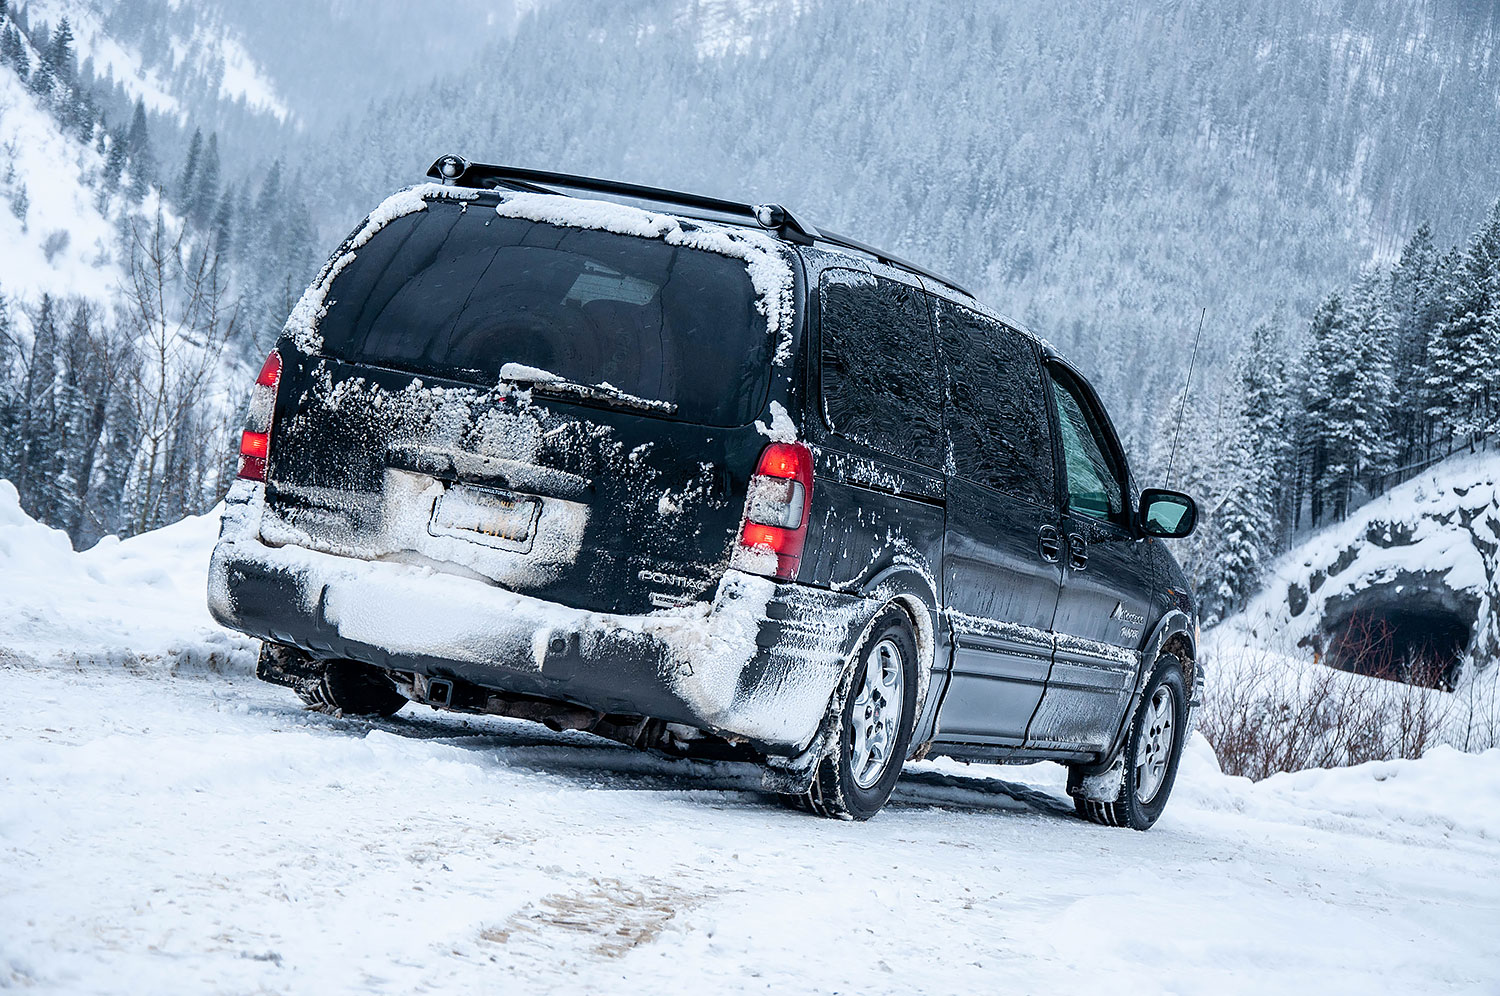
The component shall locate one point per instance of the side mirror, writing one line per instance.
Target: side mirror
(1168, 514)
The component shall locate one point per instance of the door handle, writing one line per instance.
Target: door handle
(1050, 544)
(1078, 551)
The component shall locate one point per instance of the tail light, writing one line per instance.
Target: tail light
(255, 441)
(776, 509)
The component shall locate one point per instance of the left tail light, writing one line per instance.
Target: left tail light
(255, 441)
(777, 503)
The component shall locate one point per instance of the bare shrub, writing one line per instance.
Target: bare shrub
(1268, 713)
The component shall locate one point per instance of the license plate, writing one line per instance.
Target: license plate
(493, 518)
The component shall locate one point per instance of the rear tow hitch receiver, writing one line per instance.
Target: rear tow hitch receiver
(439, 693)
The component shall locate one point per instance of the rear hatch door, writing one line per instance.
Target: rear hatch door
(564, 411)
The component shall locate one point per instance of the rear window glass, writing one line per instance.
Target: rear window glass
(996, 415)
(879, 388)
(458, 291)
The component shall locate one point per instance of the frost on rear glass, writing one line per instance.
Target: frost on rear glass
(878, 359)
(765, 262)
(770, 274)
(302, 324)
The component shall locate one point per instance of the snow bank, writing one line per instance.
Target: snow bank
(137, 601)
(1446, 791)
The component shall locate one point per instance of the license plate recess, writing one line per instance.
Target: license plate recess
(500, 519)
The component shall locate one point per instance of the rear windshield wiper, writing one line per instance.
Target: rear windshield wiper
(542, 382)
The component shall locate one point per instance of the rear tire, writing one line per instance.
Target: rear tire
(876, 716)
(349, 688)
(1153, 747)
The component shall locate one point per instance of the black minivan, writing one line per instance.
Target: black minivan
(711, 482)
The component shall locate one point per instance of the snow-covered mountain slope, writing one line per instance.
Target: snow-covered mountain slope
(1427, 550)
(170, 825)
(296, 62)
(54, 236)
(180, 62)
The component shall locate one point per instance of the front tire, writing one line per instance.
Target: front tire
(877, 713)
(1152, 750)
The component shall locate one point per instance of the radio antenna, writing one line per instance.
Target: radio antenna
(1182, 408)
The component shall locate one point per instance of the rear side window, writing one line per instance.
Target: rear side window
(457, 291)
(996, 414)
(879, 385)
(1095, 483)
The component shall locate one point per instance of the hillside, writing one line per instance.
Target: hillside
(1099, 171)
(56, 227)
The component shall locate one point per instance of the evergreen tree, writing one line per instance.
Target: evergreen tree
(187, 181)
(142, 159)
(223, 227)
(59, 54)
(115, 159)
(1326, 442)
(83, 404)
(1464, 349)
(44, 78)
(13, 52)
(1240, 525)
(12, 403)
(1415, 303)
(1268, 427)
(36, 467)
(200, 207)
(1369, 392)
(1346, 391)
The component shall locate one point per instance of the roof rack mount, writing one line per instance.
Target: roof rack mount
(772, 217)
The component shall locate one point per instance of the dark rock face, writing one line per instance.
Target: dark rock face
(1412, 627)
(1408, 588)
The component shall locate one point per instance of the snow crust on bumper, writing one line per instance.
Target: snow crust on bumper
(760, 661)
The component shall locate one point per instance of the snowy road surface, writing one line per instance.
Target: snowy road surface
(199, 833)
(170, 825)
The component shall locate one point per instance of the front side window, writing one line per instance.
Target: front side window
(879, 384)
(1094, 479)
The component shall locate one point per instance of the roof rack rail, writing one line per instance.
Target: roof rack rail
(772, 217)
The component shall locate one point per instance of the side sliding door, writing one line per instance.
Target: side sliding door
(1001, 543)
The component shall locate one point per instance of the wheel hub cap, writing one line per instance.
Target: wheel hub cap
(1156, 739)
(876, 717)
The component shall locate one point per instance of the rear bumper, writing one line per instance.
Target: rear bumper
(760, 661)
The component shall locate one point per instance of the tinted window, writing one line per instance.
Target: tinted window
(461, 293)
(1094, 480)
(997, 414)
(879, 385)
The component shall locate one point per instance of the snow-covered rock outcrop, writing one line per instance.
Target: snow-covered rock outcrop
(1421, 559)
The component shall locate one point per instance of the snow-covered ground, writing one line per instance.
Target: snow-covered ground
(168, 824)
